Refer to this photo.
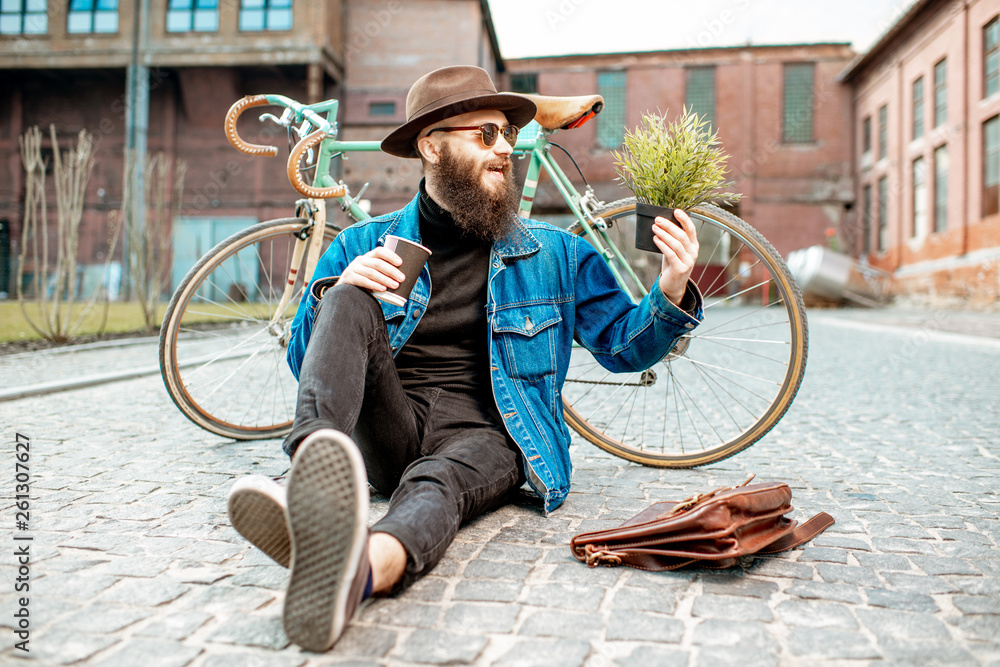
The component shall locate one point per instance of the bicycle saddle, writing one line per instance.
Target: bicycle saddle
(565, 113)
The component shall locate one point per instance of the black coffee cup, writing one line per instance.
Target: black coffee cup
(414, 257)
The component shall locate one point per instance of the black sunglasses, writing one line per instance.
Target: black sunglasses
(490, 132)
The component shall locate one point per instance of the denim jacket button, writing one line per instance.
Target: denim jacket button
(416, 313)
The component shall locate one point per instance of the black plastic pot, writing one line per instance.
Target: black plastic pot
(645, 215)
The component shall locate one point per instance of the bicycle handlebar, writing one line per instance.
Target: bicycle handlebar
(295, 176)
(234, 138)
(295, 156)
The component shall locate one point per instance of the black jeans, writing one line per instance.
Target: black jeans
(442, 457)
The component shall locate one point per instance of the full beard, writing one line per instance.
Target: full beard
(486, 213)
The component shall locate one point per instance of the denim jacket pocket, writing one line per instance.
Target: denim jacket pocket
(319, 287)
(526, 337)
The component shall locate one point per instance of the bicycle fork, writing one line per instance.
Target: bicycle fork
(308, 243)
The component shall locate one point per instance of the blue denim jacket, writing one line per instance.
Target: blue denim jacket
(546, 287)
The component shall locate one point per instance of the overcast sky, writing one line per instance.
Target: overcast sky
(557, 27)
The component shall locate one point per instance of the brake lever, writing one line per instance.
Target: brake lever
(285, 120)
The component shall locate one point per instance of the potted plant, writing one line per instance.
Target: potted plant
(670, 166)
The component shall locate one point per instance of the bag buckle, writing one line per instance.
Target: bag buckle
(601, 556)
(690, 502)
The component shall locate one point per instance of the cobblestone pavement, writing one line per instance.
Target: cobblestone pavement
(895, 433)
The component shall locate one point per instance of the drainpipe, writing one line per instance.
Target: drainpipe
(967, 130)
(901, 158)
(136, 130)
(856, 213)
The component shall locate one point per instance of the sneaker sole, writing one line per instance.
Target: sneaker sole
(261, 520)
(327, 519)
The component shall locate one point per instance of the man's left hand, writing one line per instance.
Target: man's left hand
(679, 246)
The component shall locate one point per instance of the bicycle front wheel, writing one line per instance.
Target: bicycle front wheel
(723, 386)
(223, 342)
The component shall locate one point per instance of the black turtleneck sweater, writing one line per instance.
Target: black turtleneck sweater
(448, 349)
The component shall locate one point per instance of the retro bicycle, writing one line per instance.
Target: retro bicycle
(719, 390)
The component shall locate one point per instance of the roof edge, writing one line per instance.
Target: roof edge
(735, 47)
(884, 42)
(491, 31)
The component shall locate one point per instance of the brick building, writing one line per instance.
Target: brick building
(781, 113)
(68, 67)
(897, 149)
(926, 104)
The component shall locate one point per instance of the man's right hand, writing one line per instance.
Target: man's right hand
(374, 271)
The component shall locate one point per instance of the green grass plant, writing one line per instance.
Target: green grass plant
(677, 164)
(122, 317)
(127, 317)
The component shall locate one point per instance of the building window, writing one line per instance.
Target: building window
(193, 16)
(797, 110)
(940, 92)
(611, 121)
(866, 135)
(257, 15)
(866, 219)
(991, 57)
(524, 82)
(883, 131)
(918, 108)
(941, 188)
(91, 16)
(23, 17)
(883, 213)
(381, 108)
(991, 166)
(700, 92)
(919, 171)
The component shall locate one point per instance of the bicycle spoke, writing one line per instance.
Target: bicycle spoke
(229, 352)
(710, 293)
(242, 314)
(740, 349)
(745, 340)
(261, 394)
(709, 381)
(703, 331)
(704, 416)
(730, 371)
(672, 383)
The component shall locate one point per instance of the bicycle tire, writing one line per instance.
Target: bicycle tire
(222, 364)
(715, 374)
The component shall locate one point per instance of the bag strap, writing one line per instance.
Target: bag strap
(801, 534)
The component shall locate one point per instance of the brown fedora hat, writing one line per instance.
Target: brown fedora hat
(451, 91)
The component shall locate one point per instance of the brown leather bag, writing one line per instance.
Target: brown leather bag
(710, 530)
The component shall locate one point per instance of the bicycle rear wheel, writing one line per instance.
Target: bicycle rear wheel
(221, 358)
(723, 386)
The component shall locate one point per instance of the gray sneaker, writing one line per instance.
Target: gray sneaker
(257, 512)
(327, 514)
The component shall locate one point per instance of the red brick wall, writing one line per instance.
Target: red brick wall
(934, 263)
